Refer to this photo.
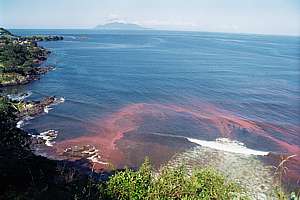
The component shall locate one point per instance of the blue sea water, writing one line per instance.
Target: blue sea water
(254, 77)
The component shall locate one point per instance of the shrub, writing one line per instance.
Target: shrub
(131, 185)
(209, 184)
(172, 183)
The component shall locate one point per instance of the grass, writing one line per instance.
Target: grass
(280, 172)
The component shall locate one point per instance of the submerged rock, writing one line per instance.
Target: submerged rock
(46, 138)
(29, 109)
(33, 108)
(88, 152)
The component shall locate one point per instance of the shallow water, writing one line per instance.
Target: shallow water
(248, 171)
(122, 87)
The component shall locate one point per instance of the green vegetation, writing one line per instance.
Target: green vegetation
(6, 33)
(20, 57)
(25, 175)
(16, 57)
(38, 38)
(129, 184)
(12, 78)
(172, 184)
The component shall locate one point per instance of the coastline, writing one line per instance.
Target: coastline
(22, 58)
(25, 110)
(26, 173)
(46, 138)
(14, 72)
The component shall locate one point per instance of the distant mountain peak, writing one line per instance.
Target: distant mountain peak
(120, 26)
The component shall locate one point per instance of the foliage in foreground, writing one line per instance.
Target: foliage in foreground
(172, 183)
(24, 175)
(27, 176)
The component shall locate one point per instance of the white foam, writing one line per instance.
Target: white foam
(96, 159)
(222, 144)
(48, 137)
(225, 144)
(20, 96)
(88, 152)
(49, 143)
(20, 123)
(61, 99)
(47, 109)
(56, 102)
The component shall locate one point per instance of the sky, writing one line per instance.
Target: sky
(279, 17)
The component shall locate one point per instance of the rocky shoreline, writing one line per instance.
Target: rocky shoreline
(13, 72)
(34, 108)
(89, 154)
(21, 58)
(20, 64)
(33, 76)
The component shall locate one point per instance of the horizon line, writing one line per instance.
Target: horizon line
(150, 29)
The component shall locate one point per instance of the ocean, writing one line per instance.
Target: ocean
(133, 94)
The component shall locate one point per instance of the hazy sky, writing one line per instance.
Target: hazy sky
(249, 16)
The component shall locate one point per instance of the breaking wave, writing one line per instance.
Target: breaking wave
(221, 144)
(47, 137)
(215, 128)
(225, 144)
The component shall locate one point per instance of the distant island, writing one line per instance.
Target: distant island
(120, 26)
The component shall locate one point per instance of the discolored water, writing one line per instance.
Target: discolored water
(125, 91)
